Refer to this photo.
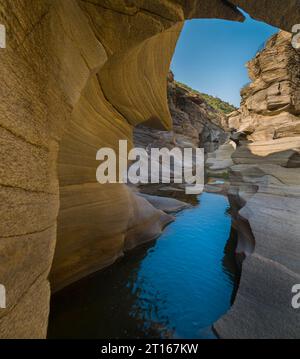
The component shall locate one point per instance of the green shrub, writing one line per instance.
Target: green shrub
(215, 102)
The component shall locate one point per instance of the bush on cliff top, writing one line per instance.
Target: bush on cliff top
(214, 102)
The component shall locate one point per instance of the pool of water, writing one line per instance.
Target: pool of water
(174, 287)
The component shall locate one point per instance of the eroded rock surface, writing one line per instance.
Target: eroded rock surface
(75, 75)
(194, 122)
(265, 195)
(69, 85)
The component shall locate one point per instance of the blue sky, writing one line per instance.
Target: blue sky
(211, 54)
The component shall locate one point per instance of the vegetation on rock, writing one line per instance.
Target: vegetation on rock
(214, 102)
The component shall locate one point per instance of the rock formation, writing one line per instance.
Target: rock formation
(194, 122)
(265, 195)
(77, 75)
(220, 160)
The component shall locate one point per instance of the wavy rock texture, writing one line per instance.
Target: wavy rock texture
(76, 75)
(265, 193)
(194, 124)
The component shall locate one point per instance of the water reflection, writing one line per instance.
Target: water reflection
(175, 287)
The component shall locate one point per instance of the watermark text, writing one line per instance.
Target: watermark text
(296, 36)
(296, 297)
(2, 297)
(2, 37)
(184, 166)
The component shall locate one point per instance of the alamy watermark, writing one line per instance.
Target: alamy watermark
(296, 36)
(185, 166)
(2, 37)
(296, 297)
(2, 297)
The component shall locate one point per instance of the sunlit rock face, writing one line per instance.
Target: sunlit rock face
(194, 122)
(77, 75)
(265, 192)
(71, 84)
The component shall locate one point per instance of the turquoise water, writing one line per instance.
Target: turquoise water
(175, 287)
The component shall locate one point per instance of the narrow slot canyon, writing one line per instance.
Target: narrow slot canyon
(80, 259)
(192, 246)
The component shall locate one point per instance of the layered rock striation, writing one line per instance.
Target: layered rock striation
(77, 75)
(265, 195)
(194, 122)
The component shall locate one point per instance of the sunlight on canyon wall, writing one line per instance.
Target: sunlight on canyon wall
(78, 75)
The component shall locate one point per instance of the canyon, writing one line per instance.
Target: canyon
(264, 194)
(71, 84)
(195, 123)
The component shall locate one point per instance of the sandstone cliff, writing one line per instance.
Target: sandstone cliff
(194, 122)
(265, 195)
(77, 75)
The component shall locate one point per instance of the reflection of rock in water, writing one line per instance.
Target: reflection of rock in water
(86, 300)
(172, 190)
(232, 262)
(175, 287)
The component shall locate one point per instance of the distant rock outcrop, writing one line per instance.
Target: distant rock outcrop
(265, 195)
(194, 122)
